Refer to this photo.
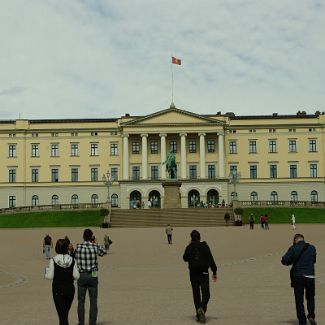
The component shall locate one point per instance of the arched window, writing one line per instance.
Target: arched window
(55, 199)
(294, 196)
(114, 200)
(314, 196)
(193, 198)
(254, 196)
(274, 196)
(35, 201)
(74, 199)
(233, 196)
(94, 199)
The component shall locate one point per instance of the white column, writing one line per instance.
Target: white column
(144, 156)
(163, 155)
(221, 153)
(125, 156)
(202, 155)
(183, 155)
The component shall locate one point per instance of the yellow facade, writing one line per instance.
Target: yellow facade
(275, 157)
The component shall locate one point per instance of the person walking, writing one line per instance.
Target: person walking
(251, 221)
(47, 245)
(226, 217)
(200, 259)
(169, 233)
(86, 257)
(62, 270)
(302, 257)
(266, 222)
(293, 222)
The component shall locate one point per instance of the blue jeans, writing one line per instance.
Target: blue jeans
(303, 285)
(87, 282)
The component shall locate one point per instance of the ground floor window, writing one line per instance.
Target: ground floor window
(114, 200)
(55, 199)
(12, 201)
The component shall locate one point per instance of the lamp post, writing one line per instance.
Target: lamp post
(108, 182)
(234, 178)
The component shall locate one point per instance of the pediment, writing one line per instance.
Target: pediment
(172, 116)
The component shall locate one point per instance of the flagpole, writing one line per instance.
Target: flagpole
(171, 68)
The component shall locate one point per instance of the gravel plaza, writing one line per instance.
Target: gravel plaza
(143, 280)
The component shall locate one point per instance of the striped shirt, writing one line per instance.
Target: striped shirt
(86, 256)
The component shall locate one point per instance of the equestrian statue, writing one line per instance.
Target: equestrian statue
(171, 166)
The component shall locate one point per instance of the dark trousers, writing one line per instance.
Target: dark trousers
(251, 225)
(169, 238)
(63, 302)
(303, 285)
(201, 291)
(87, 282)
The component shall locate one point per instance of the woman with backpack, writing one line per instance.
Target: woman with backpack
(63, 271)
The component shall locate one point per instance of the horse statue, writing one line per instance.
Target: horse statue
(171, 166)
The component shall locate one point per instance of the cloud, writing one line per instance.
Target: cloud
(91, 58)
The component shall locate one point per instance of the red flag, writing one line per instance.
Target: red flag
(176, 61)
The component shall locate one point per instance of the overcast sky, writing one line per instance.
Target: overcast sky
(91, 58)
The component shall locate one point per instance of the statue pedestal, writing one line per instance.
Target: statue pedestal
(172, 194)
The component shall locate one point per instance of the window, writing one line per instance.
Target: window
(273, 171)
(35, 174)
(12, 175)
(74, 174)
(252, 146)
(253, 171)
(135, 173)
(294, 196)
(114, 174)
(54, 150)
(94, 149)
(312, 146)
(314, 196)
(114, 149)
(211, 146)
(94, 134)
(135, 147)
(74, 149)
(292, 146)
(154, 172)
(233, 169)
(35, 150)
(94, 199)
(54, 134)
(114, 200)
(35, 201)
(232, 146)
(12, 201)
(74, 134)
(211, 171)
(274, 196)
(293, 171)
(74, 199)
(192, 146)
(313, 170)
(94, 174)
(193, 172)
(254, 196)
(34, 134)
(173, 146)
(55, 199)
(272, 146)
(12, 150)
(154, 147)
(54, 175)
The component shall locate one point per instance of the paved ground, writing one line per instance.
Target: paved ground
(144, 281)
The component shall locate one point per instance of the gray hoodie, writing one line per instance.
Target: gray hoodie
(62, 261)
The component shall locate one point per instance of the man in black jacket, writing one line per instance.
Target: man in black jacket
(302, 257)
(200, 259)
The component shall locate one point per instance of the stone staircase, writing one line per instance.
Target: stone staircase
(142, 218)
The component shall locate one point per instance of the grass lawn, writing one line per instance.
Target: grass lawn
(51, 219)
(283, 215)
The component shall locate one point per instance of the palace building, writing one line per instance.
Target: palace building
(219, 158)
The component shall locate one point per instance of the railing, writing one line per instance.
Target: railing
(54, 207)
(298, 204)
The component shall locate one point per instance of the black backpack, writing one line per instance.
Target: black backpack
(197, 260)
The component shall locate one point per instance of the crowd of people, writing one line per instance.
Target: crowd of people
(81, 265)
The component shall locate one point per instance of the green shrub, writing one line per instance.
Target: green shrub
(103, 212)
